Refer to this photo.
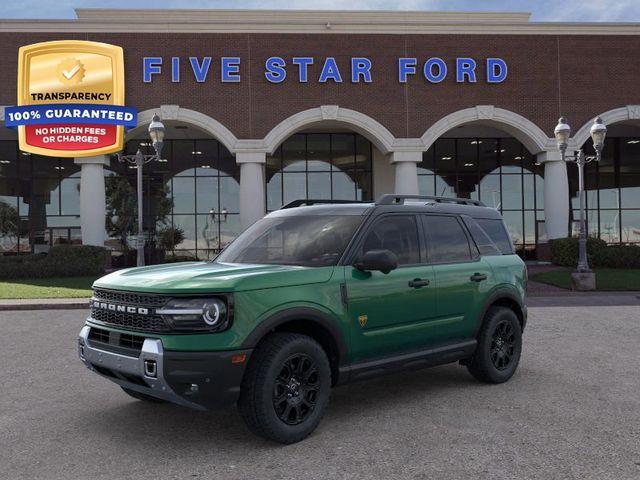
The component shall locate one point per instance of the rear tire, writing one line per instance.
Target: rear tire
(499, 347)
(142, 396)
(285, 390)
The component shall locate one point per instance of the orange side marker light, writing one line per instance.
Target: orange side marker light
(238, 358)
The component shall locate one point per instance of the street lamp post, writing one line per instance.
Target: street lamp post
(156, 133)
(562, 133)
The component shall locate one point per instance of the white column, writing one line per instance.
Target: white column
(252, 188)
(556, 194)
(406, 166)
(92, 199)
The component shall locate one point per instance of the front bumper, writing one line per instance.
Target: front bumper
(198, 380)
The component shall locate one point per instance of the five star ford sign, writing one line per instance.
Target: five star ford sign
(70, 99)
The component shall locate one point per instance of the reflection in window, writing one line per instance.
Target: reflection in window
(331, 166)
(201, 181)
(446, 240)
(396, 233)
(39, 200)
(612, 191)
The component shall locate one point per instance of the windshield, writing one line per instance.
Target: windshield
(310, 241)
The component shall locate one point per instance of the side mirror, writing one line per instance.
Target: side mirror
(381, 260)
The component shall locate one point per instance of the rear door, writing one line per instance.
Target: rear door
(390, 313)
(462, 277)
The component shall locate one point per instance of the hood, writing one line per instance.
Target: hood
(201, 277)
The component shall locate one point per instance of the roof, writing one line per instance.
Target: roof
(310, 21)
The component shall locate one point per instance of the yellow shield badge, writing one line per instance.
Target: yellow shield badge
(71, 99)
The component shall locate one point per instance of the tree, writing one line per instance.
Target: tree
(169, 237)
(122, 208)
(9, 222)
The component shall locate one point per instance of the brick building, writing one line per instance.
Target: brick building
(264, 107)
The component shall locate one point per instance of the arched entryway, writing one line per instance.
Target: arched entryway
(191, 196)
(491, 154)
(326, 153)
(487, 164)
(320, 164)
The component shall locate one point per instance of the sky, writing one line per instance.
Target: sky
(542, 10)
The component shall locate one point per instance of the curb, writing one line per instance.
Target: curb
(74, 304)
(578, 294)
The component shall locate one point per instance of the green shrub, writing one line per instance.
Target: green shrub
(564, 252)
(618, 256)
(61, 261)
(169, 237)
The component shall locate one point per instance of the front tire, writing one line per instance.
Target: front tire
(286, 388)
(499, 347)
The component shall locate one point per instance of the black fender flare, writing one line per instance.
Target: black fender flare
(499, 294)
(310, 314)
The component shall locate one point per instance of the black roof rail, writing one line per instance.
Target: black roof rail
(307, 202)
(392, 199)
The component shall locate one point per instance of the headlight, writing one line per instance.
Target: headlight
(196, 313)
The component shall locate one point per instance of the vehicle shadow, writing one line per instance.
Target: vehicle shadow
(133, 423)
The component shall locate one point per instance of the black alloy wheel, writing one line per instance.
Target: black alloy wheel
(296, 389)
(499, 346)
(286, 387)
(502, 344)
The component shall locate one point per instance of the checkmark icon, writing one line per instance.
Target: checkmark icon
(71, 73)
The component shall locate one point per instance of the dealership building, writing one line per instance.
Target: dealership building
(265, 107)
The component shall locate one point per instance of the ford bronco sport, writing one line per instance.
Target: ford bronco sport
(314, 295)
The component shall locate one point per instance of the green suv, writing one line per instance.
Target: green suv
(314, 295)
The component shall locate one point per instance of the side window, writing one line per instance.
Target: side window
(446, 240)
(398, 233)
(483, 242)
(496, 231)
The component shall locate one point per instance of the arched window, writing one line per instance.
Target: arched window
(333, 166)
(195, 188)
(500, 172)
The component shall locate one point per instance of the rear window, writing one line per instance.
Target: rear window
(485, 245)
(494, 228)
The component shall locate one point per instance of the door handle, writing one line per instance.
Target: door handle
(478, 277)
(418, 282)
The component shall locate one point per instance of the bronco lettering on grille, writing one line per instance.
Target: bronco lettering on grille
(119, 308)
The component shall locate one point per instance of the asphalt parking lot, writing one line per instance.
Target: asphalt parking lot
(572, 411)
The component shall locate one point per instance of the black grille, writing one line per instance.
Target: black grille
(130, 298)
(131, 341)
(116, 342)
(132, 321)
(99, 335)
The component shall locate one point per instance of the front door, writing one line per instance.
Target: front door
(389, 313)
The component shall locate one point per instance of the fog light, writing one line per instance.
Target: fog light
(150, 369)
